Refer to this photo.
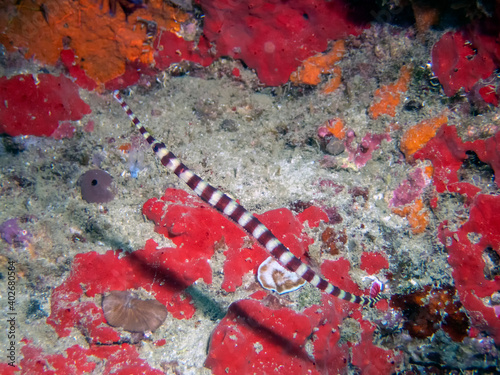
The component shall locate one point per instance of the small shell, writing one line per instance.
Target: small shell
(272, 276)
(123, 309)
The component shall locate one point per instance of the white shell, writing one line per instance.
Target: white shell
(273, 276)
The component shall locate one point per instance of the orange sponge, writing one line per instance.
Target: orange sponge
(336, 127)
(417, 215)
(334, 82)
(309, 73)
(102, 42)
(418, 135)
(388, 97)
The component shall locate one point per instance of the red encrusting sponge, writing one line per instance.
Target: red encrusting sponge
(32, 105)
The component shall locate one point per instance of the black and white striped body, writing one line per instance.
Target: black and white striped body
(234, 211)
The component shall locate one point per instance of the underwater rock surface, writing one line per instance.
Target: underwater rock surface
(370, 147)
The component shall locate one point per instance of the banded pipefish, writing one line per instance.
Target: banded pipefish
(237, 213)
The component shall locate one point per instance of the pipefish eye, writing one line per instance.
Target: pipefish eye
(123, 309)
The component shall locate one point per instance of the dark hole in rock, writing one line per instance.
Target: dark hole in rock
(476, 172)
(491, 263)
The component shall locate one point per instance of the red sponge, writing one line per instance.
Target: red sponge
(273, 36)
(29, 107)
(199, 231)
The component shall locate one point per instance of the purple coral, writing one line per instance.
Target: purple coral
(410, 189)
(11, 232)
(361, 153)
